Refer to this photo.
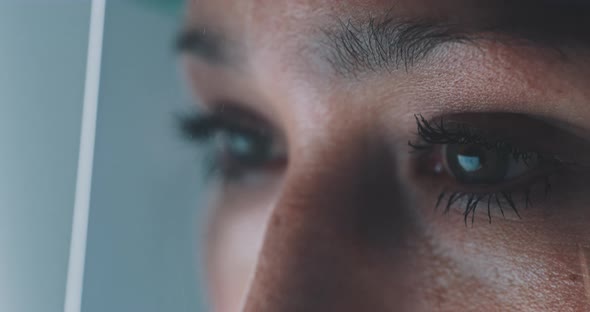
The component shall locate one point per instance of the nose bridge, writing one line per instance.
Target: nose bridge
(340, 208)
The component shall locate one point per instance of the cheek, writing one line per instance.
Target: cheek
(237, 232)
(524, 266)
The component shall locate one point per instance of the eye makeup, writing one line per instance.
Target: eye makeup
(498, 161)
(490, 163)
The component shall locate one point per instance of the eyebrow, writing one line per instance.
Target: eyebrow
(372, 45)
(389, 42)
(203, 43)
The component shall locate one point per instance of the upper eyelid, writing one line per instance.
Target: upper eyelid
(522, 132)
(439, 132)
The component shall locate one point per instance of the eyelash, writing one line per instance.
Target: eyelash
(438, 133)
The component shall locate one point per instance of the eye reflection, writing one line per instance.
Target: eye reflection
(475, 164)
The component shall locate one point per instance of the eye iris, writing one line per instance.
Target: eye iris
(476, 164)
(248, 149)
(240, 145)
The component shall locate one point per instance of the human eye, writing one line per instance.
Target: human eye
(482, 165)
(239, 143)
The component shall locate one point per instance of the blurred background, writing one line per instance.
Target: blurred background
(143, 230)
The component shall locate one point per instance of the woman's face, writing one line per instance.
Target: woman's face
(394, 155)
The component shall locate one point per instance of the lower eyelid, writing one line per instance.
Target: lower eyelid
(554, 193)
(508, 202)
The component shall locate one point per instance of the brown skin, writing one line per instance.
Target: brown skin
(348, 224)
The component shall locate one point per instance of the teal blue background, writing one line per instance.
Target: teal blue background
(144, 227)
(169, 7)
(42, 68)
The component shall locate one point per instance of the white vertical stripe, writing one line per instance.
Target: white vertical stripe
(75, 279)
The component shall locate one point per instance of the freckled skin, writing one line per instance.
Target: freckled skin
(347, 226)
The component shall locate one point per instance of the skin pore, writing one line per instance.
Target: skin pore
(344, 219)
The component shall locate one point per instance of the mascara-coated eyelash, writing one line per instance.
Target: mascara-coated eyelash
(482, 168)
(440, 133)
